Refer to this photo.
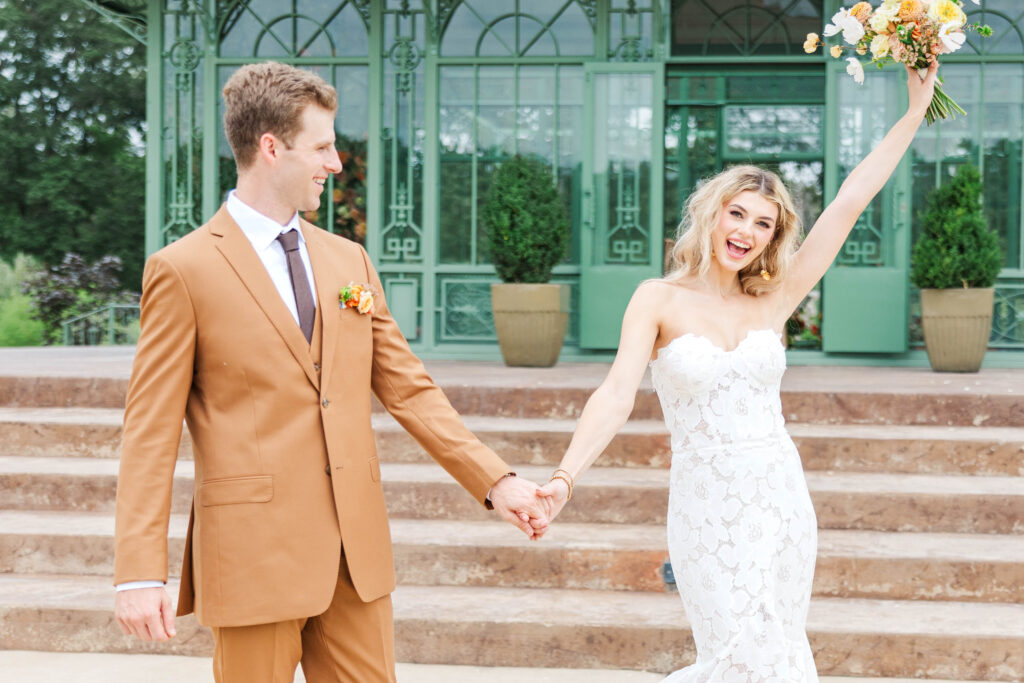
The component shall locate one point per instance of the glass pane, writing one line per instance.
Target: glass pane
(745, 27)
(865, 114)
(1006, 17)
(348, 193)
(754, 130)
(622, 166)
(262, 28)
(535, 113)
(536, 28)
(769, 87)
(1001, 149)
(457, 139)
(570, 148)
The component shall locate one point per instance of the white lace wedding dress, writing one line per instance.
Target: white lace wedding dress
(742, 534)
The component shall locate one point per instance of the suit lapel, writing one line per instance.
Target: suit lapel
(326, 296)
(242, 258)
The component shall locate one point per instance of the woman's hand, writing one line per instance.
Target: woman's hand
(921, 89)
(555, 494)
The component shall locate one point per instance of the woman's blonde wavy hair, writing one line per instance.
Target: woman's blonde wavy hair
(691, 253)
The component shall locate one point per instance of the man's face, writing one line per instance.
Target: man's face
(303, 168)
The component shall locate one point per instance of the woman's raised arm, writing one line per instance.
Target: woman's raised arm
(826, 238)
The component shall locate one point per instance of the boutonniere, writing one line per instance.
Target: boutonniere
(359, 297)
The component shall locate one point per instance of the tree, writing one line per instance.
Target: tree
(72, 114)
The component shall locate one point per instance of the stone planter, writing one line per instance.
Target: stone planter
(957, 325)
(530, 320)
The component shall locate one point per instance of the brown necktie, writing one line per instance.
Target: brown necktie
(300, 283)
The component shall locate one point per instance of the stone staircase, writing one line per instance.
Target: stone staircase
(918, 486)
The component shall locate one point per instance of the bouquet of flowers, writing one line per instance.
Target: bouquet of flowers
(911, 32)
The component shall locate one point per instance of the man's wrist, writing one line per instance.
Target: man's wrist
(488, 503)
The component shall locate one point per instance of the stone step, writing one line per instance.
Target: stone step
(827, 395)
(881, 502)
(96, 432)
(620, 557)
(569, 629)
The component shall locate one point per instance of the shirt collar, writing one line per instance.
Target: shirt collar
(261, 230)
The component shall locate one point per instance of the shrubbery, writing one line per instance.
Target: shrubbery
(527, 221)
(956, 247)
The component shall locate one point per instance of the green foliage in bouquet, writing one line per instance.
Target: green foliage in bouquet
(526, 220)
(956, 248)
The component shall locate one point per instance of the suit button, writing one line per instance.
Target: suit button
(327, 469)
(325, 403)
(316, 366)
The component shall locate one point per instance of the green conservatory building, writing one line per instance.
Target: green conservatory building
(631, 102)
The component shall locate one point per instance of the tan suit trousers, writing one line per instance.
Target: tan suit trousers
(351, 642)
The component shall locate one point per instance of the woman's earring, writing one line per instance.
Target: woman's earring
(765, 275)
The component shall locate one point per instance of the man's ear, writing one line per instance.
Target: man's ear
(270, 148)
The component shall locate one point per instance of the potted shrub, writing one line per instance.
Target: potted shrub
(528, 234)
(955, 262)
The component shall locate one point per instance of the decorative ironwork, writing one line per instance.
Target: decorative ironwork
(746, 27)
(131, 23)
(627, 240)
(190, 26)
(466, 310)
(631, 28)
(294, 32)
(1007, 36)
(1008, 314)
(112, 324)
(402, 234)
(864, 246)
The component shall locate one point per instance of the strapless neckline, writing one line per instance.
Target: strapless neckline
(701, 338)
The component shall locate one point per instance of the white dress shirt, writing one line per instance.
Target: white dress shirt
(262, 233)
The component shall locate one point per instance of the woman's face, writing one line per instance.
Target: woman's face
(745, 228)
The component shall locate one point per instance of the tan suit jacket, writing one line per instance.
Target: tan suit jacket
(219, 347)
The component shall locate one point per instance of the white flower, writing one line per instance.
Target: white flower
(883, 16)
(843, 21)
(880, 46)
(855, 69)
(951, 36)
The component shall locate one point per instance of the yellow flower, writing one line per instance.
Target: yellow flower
(879, 46)
(862, 10)
(945, 11)
(365, 302)
(882, 17)
(861, 50)
(837, 51)
(811, 44)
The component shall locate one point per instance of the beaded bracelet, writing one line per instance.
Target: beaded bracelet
(566, 477)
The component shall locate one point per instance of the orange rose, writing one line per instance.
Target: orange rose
(911, 10)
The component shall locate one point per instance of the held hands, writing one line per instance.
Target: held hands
(145, 612)
(518, 503)
(556, 493)
(921, 88)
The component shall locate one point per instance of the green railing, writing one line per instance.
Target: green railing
(112, 324)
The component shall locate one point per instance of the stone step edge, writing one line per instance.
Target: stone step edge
(832, 543)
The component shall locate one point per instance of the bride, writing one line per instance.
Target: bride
(742, 534)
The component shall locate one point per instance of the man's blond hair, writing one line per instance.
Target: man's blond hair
(269, 97)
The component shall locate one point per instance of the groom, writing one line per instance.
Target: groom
(288, 555)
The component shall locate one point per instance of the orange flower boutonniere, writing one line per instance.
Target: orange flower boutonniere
(359, 297)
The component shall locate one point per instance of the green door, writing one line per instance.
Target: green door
(620, 244)
(865, 293)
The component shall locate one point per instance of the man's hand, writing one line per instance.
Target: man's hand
(517, 502)
(145, 612)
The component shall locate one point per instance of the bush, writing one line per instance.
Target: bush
(527, 222)
(73, 288)
(18, 327)
(956, 248)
